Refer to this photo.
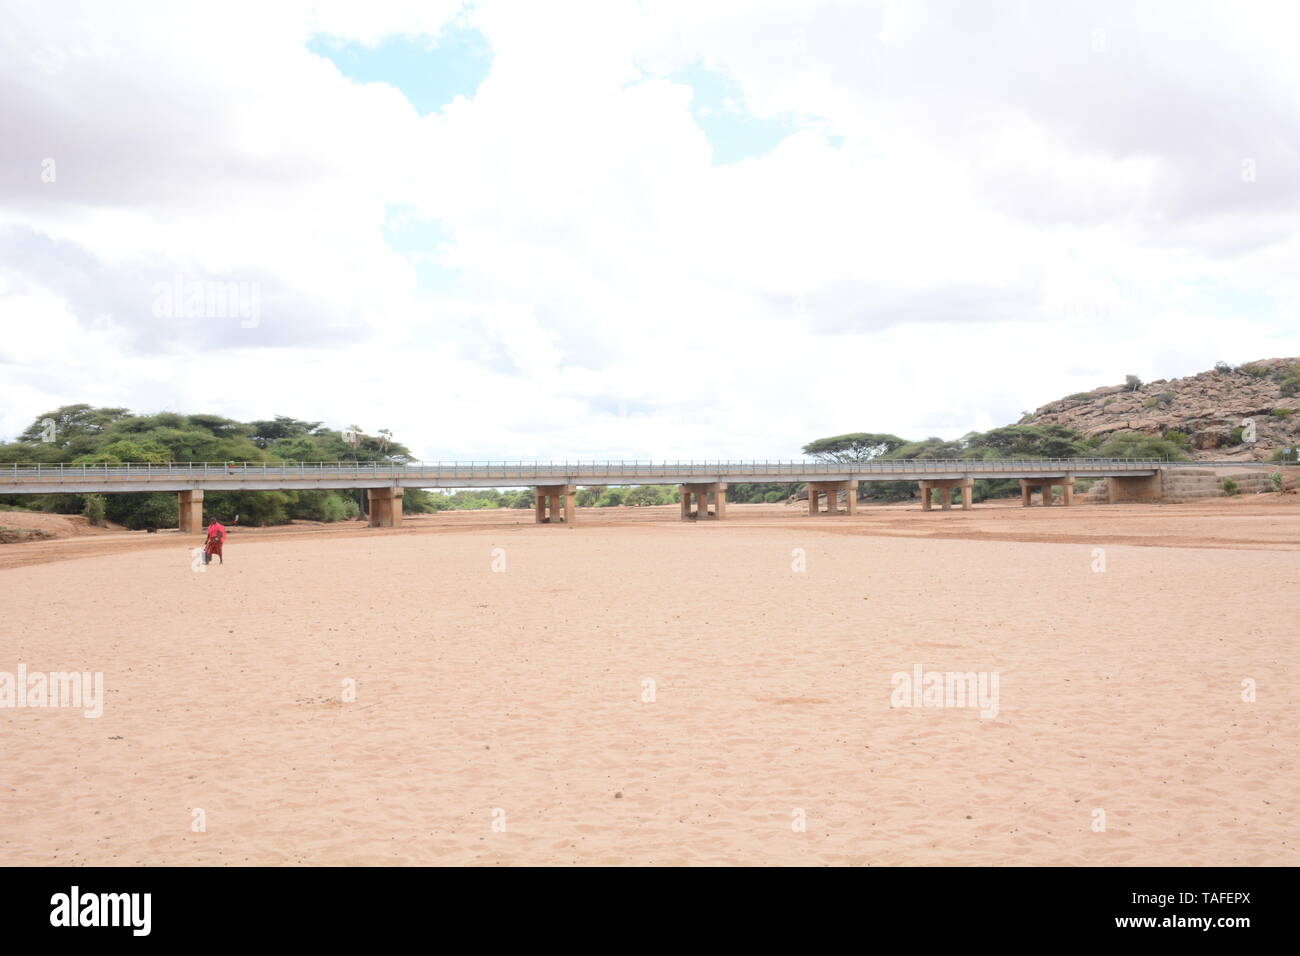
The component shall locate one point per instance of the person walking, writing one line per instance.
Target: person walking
(216, 539)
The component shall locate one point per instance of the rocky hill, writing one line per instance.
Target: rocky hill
(1211, 408)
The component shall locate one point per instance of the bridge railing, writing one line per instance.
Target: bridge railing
(527, 472)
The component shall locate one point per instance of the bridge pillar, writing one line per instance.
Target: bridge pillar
(555, 504)
(385, 506)
(700, 491)
(1065, 481)
(191, 508)
(832, 489)
(945, 486)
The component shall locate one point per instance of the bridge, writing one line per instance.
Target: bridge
(555, 482)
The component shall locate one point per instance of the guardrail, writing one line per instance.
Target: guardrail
(528, 472)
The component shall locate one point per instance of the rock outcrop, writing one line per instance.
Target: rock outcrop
(1211, 408)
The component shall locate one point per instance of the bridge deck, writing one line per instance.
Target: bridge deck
(216, 476)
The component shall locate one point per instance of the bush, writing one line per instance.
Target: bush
(1229, 486)
(1276, 478)
(140, 511)
(1223, 368)
(1137, 445)
(773, 496)
(1283, 412)
(96, 510)
(1132, 383)
(1253, 370)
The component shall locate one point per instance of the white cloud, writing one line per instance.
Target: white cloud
(1016, 212)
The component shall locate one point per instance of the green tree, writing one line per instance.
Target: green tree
(854, 447)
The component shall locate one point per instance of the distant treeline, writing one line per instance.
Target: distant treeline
(81, 434)
(1010, 441)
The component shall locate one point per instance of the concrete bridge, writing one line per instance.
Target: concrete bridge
(703, 483)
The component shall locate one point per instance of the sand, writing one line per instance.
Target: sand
(501, 716)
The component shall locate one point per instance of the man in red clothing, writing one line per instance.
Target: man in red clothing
(216, 538)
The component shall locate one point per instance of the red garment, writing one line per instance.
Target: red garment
(216, 538)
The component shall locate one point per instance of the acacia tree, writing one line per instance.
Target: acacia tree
(854, 447)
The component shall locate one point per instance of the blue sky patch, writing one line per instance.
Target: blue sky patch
(429, 71)
(718, 106)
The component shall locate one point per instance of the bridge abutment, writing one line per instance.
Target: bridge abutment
(554, 504)
(700, 491)
(1134, 488)
(385, 507)
(191, 509)
(832, 489)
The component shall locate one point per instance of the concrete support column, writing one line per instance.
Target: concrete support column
(832, 489)
(1047, 494)
(1067, 491)
(945, 495)
(385, 507)
(967, 493)
(927, 497)
(701, 492)
(555, 504)
(191, 508)
(1026, 493)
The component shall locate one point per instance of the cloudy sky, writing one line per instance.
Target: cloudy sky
(661, 229)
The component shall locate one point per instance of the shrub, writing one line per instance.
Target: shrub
(96, 510)
(1229, 486)
(773, 496)
(1223, 368)
(1132, 383)
(1253, 370)
(1283, 412)
(1276, 478)
(1236, 435)
(1137, 445)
